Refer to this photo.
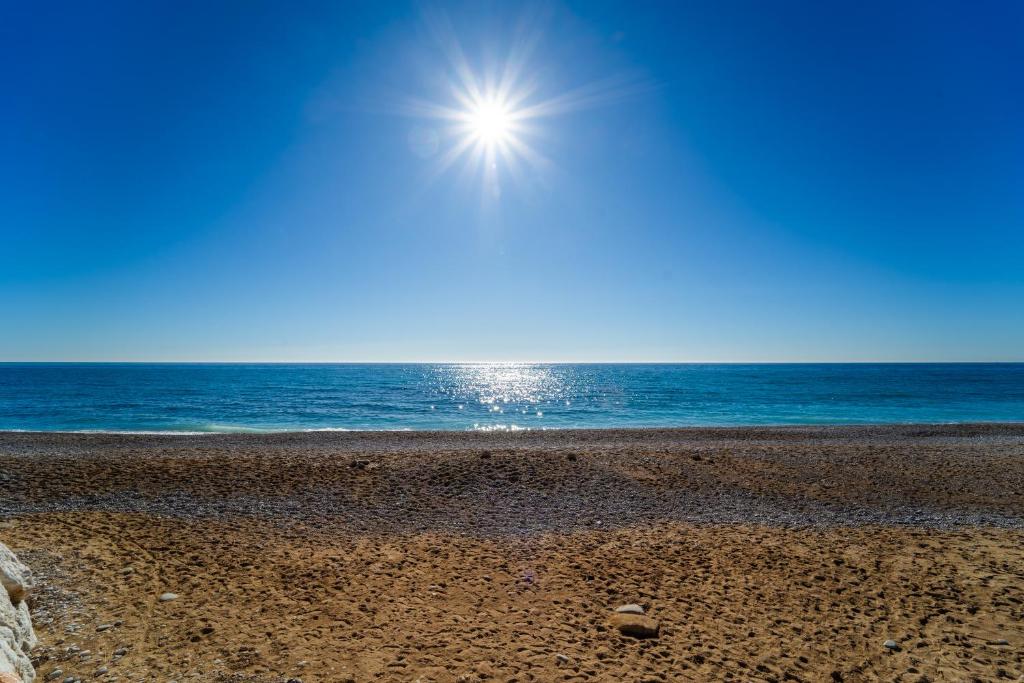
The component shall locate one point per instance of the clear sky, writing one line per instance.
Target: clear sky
(715, 181)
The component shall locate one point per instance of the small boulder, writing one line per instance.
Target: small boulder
(635, 625)
(167, 597)
(15, 577)
(629, 609)
(891, 645)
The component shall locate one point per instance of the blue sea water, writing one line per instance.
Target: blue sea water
(272, 397)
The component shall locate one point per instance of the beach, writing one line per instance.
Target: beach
(763, 554)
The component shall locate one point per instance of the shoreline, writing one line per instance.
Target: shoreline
(966, 426)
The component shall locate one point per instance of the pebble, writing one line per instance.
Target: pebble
(891, 645)
(100, 671)
(561, 659)
(630, 609)
(120, 652)
(104, 627)
(56, 673)
(167, 597)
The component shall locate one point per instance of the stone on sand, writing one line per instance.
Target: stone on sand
(167, 597)
(635, 625)
(891, 645)
(630, 609)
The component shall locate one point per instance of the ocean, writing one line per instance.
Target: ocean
(279, 397)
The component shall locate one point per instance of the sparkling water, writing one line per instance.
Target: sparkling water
(272, 397)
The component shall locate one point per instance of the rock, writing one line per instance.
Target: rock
(891, 645)
(629, 609)
(120, 652)
(17, 637)
(13, 661)
(56, 673)
(635, 625)
(562, 659)
(15, 577)
(25, 630)
(100, 671)
(167, 597)
(104, 627)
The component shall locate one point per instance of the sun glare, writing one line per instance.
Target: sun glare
(490, 122)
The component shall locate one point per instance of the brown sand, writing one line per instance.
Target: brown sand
(764, 554)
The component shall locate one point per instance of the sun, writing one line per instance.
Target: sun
(490, 122)
(489, 118)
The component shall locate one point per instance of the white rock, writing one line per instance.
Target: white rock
(17, 637)
(13, 660)
(16, 625)
(167, 597)
(891, 645)
(15, 577)
(25, 630)
(629, 609)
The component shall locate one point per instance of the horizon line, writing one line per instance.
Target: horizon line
(512, 362)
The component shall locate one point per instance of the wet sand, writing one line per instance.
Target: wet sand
(764, 554)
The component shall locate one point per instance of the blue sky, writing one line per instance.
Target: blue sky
(740, 181)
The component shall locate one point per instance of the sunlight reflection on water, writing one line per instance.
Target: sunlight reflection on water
(517, 389)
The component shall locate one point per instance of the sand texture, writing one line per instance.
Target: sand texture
(762, 554)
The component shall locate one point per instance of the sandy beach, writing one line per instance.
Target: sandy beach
(763, 554)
